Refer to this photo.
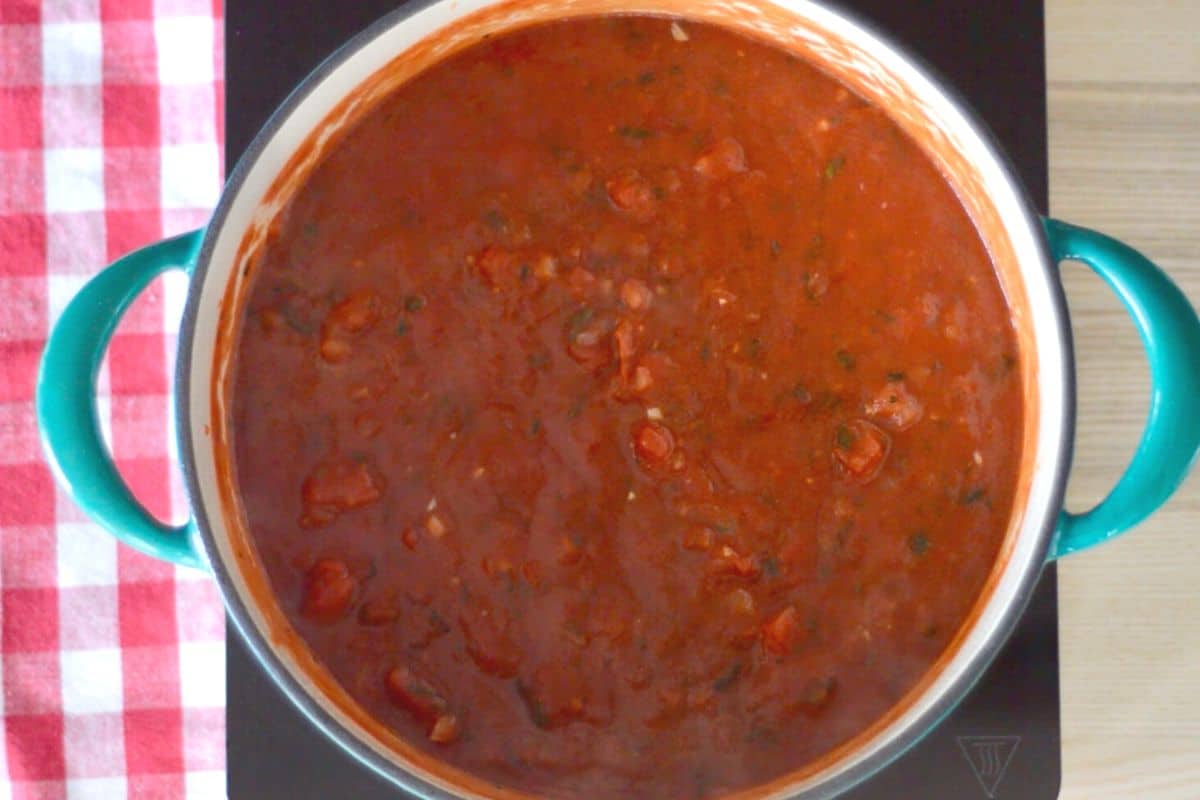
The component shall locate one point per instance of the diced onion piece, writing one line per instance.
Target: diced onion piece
(445, 730)
(781, 633)
(653, 444)
(723, 159)
(861, 447)
(329, 589)
(895, 406)
(636, 295)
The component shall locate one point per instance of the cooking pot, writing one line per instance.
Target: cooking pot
(1026, 251)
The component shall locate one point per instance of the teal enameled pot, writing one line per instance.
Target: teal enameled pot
(1026, 249)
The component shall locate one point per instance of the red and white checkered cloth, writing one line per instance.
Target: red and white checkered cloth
(112, 664)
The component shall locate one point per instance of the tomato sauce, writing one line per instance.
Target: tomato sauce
(624, 408)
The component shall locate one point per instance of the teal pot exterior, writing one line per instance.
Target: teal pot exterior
(1165, 320)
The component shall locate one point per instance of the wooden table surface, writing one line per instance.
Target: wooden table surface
(1124, 83)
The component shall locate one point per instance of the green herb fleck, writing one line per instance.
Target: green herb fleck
(846, 359)
(525, 270)
(293, 321)
(815, 248)
(309, 229)
(578, 320)
(842, 536)
(801, 394)
(645, 78)
(828, 400)
(706, 350)
(844, 437)
(834, 166)
(414, 303)
(770, 567)
(539, 360)
(776, 247)
(535, 427)
(660, 193)
(577, 407)
(728, 678)
(918, 543)
(494, 219)
(761, 735)
(720, 88)
(595, 194)
(754, 348)
(895, 377)
(402, 327)
(536, 713)
(972, 496)
(634, 133)
(725, 527)
(676, 69)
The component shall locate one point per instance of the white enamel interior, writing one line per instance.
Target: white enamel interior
(829, 33)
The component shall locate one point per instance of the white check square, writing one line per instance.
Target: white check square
(87, 555)
(202, 674)
(185, 49)
(191, 176)
(91, 681)
(96, 788)
(71, 54)
(204, 785)
(74, 179)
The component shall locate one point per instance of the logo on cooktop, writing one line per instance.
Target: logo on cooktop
(989, 757)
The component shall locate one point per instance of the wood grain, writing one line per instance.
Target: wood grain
(1124, 109)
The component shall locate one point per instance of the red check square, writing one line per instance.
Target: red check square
(23, 242)
(34, 746)
(18, 373)
(19, 11)
(152, 741)
(21, 110)
(131, 117)
(30, 620)
(147, 614)
(28, 496)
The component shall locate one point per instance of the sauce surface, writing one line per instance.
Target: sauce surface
(626, 409)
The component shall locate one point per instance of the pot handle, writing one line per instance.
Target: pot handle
(1170, 333)
(66, 401)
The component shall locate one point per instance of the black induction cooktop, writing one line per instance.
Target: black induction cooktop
(1003, 742)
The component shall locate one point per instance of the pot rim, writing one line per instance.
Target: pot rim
(917, 727)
